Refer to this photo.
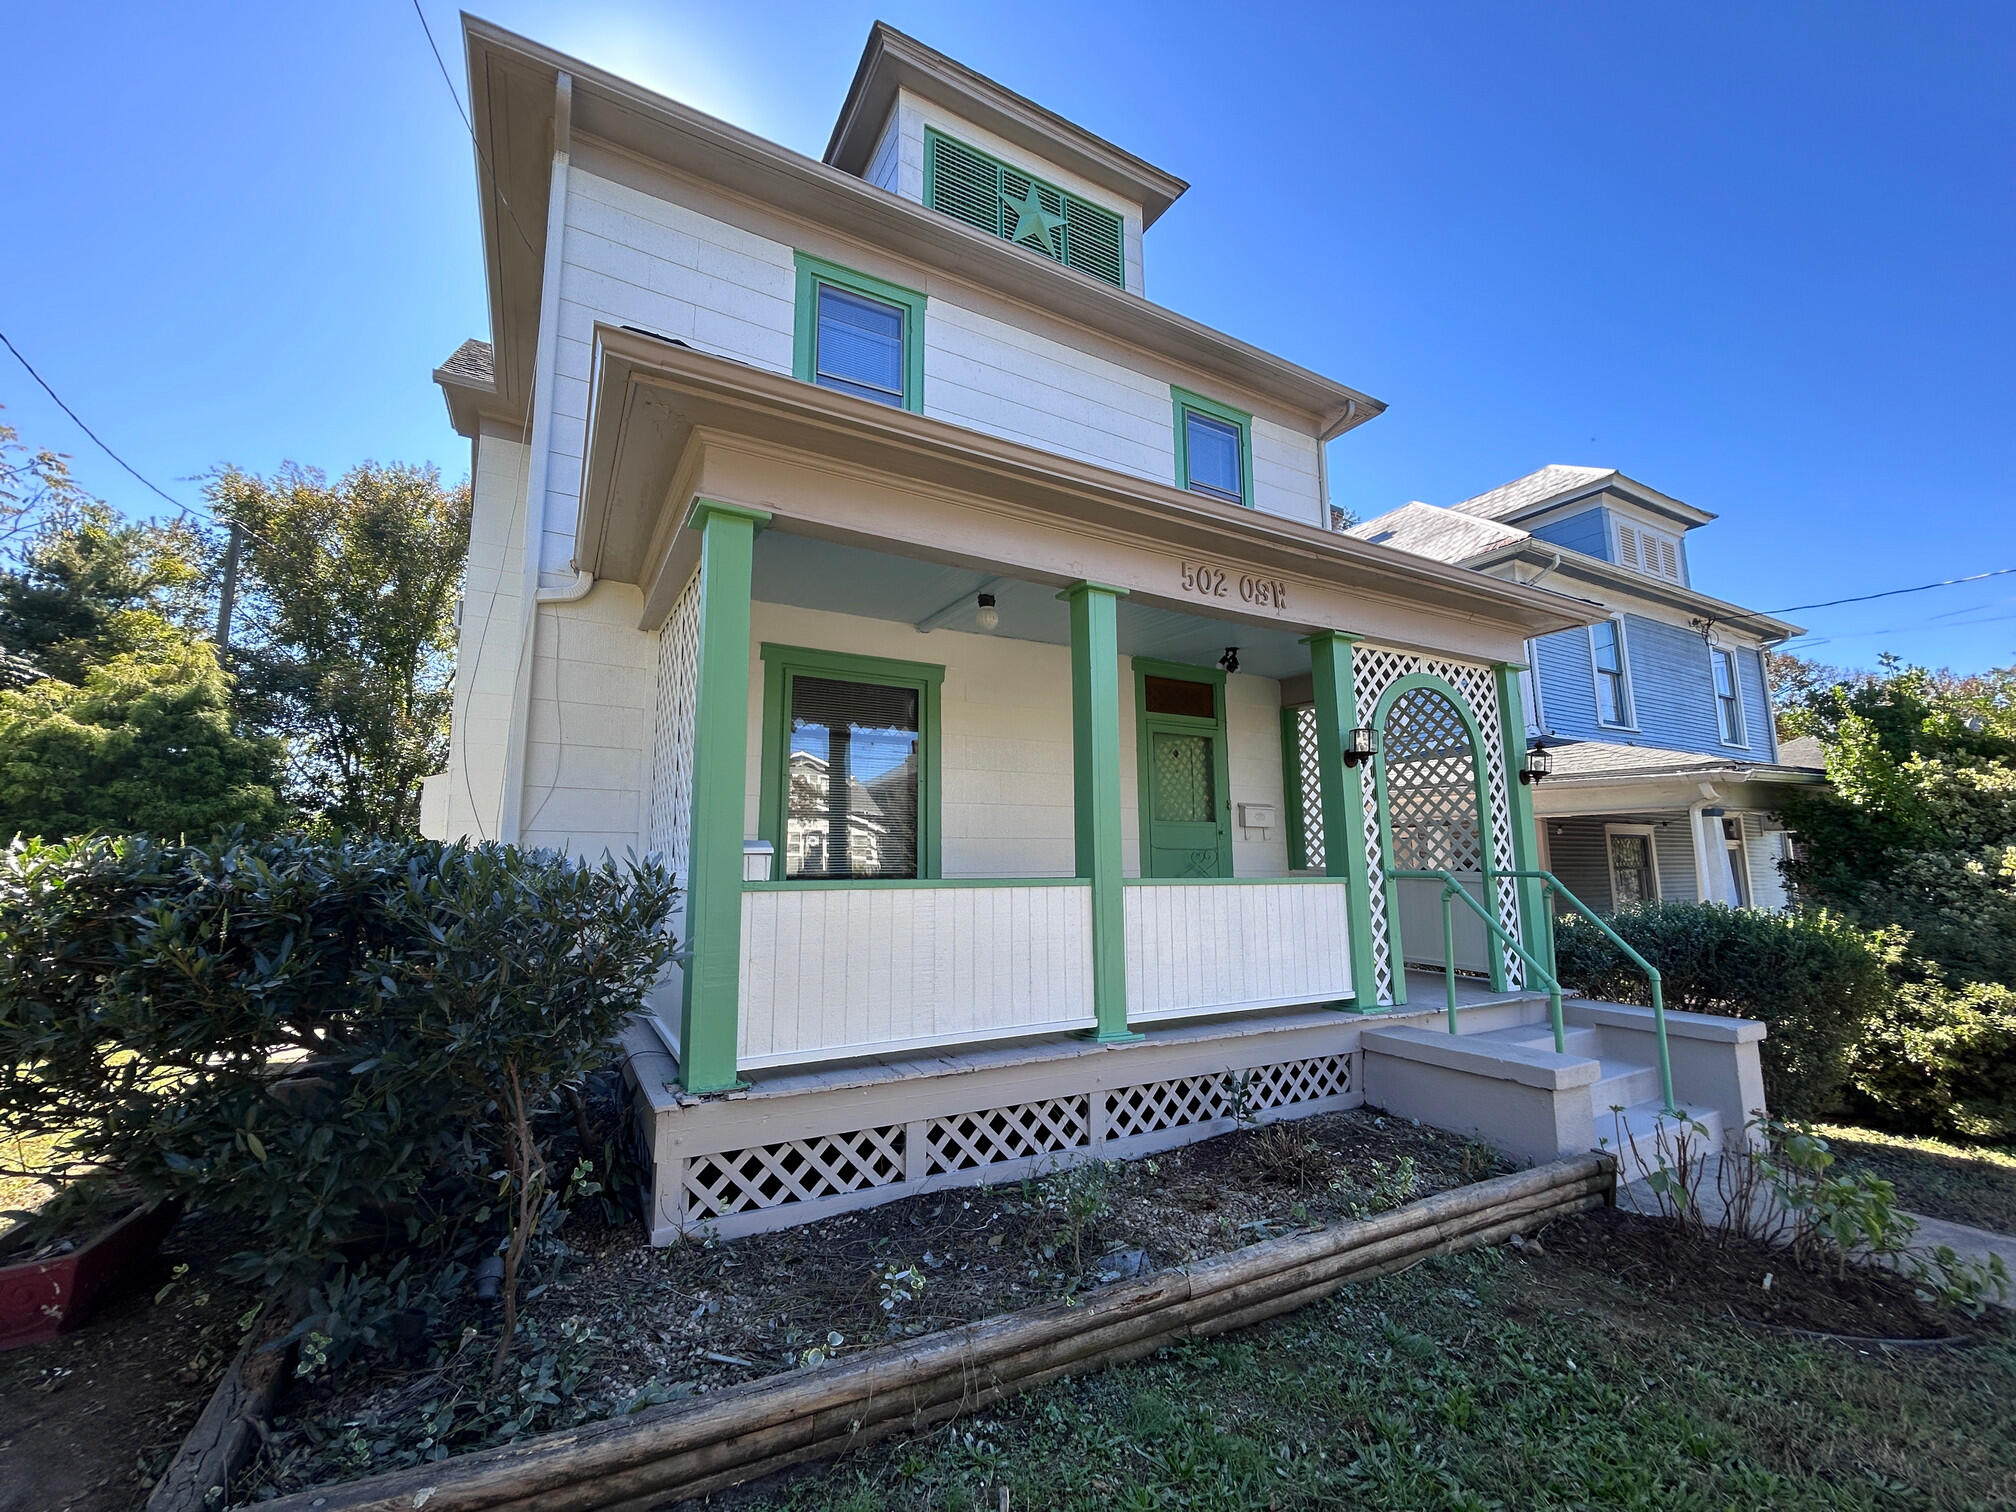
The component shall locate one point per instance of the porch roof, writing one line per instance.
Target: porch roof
(1599, 763)
(658, 406)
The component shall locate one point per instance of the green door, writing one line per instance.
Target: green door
(1185, 821)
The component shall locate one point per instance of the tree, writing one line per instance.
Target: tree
(347, 648)
(145, 744)
(35, 487)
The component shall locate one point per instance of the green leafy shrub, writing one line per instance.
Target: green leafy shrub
(1815, 979)
(1942, 1060)
(324, 1043)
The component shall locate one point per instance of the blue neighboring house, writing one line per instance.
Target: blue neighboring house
(1666, 764)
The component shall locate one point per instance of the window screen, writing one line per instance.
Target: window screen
(852, 809)
(860, 345)
(1178, 695)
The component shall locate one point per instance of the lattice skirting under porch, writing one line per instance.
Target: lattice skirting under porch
(753, 1187)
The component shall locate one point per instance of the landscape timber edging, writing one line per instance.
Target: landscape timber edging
(669, 1454)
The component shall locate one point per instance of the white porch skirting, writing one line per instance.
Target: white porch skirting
(834, 972)
(1219, 947)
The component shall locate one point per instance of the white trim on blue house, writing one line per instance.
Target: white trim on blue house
(1717, 651)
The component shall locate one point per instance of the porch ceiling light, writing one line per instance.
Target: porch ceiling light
(1230, 660)
(1360, 746)
(987, 617)
(1538, 765)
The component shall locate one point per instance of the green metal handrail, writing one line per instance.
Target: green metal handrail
(1554, 886)
(1452, 890)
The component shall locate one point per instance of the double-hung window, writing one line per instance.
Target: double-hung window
(859, 335)
(1214, 448)
(1728, 695)
(1613, 673)
(850, 765)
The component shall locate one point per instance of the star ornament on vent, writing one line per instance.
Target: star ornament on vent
(1031, 219)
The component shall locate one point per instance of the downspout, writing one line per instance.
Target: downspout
(510, 821)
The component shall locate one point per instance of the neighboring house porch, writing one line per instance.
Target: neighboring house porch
(1627, 824)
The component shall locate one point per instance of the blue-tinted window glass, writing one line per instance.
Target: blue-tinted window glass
(1212, 447)
(860, 345)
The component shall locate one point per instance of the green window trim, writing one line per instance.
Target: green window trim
(780, 665)
(815, 271)
(1145, 668)
(1183, 400)
(1081, 235)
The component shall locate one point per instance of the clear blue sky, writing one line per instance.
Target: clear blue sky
(1759, 257)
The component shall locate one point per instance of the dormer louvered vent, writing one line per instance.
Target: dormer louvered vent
(990, 196)
(1652, 552)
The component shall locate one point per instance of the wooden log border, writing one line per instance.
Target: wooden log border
(670, 1454)
(227, 1432)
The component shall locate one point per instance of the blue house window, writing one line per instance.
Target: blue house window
(1728, 696)
(1613, 673)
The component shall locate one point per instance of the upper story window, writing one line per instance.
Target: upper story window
(1613, 673)
(1653, 552)
(989, 195)
(1728, 695)
(1214, 448)
(859, 335)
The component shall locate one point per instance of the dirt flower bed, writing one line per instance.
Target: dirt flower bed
(620, 1326)
(1742, 1280)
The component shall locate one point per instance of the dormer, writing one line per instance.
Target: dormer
(1599, 512)
(934, 132)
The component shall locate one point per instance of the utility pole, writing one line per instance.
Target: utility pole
(227, 595)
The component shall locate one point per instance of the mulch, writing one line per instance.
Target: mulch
(1743, 1281)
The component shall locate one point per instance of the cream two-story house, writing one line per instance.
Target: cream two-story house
(968, 633)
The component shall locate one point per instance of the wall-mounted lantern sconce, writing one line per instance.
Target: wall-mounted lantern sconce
(987, 617)
(1359, 747)
(1538, 765)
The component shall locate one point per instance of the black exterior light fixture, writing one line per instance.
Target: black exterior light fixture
(987, 618)
(1360, 746)
(1230, 660)
(1538, 765)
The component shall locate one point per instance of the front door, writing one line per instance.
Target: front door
(1185, 820)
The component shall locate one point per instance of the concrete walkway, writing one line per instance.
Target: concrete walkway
(1966, 1241)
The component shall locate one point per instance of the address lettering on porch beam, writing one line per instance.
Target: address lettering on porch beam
(1205, 581)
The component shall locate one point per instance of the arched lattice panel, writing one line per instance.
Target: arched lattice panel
(672, 739)
(1431, 785)
(1374, 669)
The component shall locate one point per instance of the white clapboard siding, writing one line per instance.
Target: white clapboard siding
(834, 972)
(1199, 948)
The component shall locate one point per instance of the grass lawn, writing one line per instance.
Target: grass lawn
(22, 1193)
(1962, 1183)
(1498, 1379)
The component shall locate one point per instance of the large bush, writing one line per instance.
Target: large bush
(1815, 979)
(322, 1042)
(1941, 1060)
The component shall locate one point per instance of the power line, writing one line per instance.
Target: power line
(1863, 598)
(470, 127)
(79, 420)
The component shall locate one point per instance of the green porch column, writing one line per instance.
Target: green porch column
(1095, 748)
(1344, 798)
(708, 1006)
(1533, 932)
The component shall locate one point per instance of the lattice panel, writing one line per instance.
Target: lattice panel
(798, 1171)
(672, 737)
(1373, 670)
(967, 1140)
(1182, 778)
(1431, 785)
(1286, 1083)
(1309, 780)
(1151, 1106)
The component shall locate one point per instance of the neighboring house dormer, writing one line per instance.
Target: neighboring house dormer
(934, 132)
(1599, 512)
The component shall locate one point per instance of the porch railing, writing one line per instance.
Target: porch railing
(1551, 888)
(1451, 891)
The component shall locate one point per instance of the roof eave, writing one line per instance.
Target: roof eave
(1607, 575)
(893, 60)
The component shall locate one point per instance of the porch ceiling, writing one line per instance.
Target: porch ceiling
(814, 574)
